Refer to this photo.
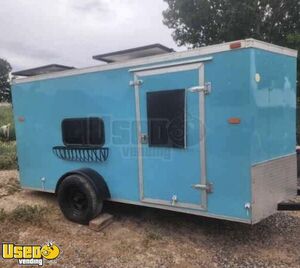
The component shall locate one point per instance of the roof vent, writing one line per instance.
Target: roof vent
(43, 70)
(133, 53)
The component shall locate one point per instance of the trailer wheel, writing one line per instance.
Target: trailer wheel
(78, 200)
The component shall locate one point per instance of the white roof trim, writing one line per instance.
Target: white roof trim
(271, 47)
(172, 64)
(247, 43)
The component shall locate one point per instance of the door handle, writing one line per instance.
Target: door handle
(206, 88)
(206, 187)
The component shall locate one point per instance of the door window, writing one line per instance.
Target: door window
(166, 118)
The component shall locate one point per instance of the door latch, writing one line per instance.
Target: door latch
(144, 138)
(248, 208)
(206, 187)
(206, 88)
(174, 200)
(43, 180)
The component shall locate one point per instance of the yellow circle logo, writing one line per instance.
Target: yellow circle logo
(50, 251)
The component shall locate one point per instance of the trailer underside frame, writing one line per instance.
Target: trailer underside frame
(290, 205)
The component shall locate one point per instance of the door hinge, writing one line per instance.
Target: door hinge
(206, 88)
(136, 82)
(206, 187)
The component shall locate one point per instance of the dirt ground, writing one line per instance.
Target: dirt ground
(143, 237)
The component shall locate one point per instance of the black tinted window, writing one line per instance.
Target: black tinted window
(166, 118)
(83, 131)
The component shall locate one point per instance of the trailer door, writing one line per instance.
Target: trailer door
(170, 115)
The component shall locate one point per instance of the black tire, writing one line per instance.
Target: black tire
(78, 200)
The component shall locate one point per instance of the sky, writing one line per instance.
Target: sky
(70, 32)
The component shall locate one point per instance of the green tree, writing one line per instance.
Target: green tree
(5, 92)
(204, 22)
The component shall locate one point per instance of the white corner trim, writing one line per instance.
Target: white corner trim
(173, 56)
(271, 47)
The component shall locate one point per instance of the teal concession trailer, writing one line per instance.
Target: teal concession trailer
(208, 131)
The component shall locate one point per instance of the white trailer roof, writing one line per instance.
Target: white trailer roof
(202, 51)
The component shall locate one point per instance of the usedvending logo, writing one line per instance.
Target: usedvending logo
(30, 254)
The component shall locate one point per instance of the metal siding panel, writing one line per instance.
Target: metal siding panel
(228, 156)
(45, 104)
(274, 105)
(272, 182)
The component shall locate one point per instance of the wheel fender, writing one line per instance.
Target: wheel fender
(94, 177)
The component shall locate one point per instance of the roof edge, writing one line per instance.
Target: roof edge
(246, 43)
(43, 67)
(250, 42)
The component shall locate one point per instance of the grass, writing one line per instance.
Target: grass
(8, 155)
(6, 115)
(9, 187)
(3, 215)
(13, 186)
(24, 214)
(153, 235)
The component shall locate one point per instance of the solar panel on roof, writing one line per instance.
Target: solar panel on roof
(133, 53)
(43, 70)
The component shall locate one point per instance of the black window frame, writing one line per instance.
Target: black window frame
(167, 122)
(89, 137)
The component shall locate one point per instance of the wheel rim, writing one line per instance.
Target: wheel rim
(77, 201)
